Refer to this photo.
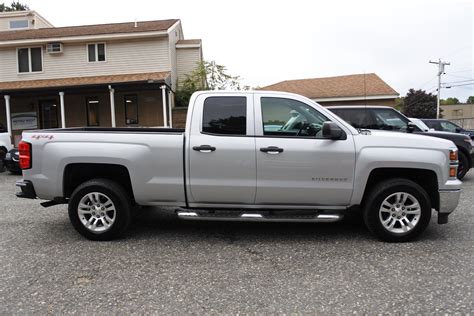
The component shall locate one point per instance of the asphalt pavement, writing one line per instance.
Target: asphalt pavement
(168, 266)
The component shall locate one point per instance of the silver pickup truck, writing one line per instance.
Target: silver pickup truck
(247, 156)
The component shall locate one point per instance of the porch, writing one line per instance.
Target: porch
(136, 100)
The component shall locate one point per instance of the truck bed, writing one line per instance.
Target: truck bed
(164, 130)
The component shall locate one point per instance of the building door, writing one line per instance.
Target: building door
(48, 114)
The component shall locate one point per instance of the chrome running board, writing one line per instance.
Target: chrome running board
(258, 217)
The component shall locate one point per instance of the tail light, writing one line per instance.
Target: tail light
(24, 149)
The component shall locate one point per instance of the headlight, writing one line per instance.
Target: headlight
(453, 164)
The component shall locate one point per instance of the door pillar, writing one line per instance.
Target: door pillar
(63, 114)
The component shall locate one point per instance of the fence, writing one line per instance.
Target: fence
(466, 123)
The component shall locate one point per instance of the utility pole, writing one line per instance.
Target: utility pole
(441, 65)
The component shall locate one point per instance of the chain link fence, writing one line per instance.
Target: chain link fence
(466, 123)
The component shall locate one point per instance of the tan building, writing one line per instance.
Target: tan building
(461, 114)
(121, 74)
(356, 89)
(458, 111)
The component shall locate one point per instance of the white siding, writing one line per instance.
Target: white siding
(122, 57)
(5, 22)
(174, 35)
(187, 61)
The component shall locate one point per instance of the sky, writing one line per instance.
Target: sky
(265, 42)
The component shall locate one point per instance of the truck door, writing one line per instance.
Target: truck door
(296, 166)
(221, 151)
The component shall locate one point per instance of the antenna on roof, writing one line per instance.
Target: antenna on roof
(136, 23)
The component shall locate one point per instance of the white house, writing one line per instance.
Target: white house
(121, 74)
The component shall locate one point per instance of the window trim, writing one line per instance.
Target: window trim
(19, 28)
(96, 46)
(29, 61)
(87, 110)
(125, 105)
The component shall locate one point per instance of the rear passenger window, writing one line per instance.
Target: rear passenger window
(225, 115)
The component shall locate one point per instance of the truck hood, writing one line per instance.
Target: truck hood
(445, 135)
(405, 140)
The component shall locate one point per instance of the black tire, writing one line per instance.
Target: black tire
(383, 190)
(116, 194)
(463, 167)
(3, 152)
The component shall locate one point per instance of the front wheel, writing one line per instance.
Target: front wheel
(397, 210)
(463, 167)
(99, 209)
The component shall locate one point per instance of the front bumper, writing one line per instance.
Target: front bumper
(27, 189)
(448, 200)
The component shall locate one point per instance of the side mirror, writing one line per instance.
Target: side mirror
(458, 130)
(411, 127)
(332, 131)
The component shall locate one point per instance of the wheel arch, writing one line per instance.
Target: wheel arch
(426, 178)
(77, 173)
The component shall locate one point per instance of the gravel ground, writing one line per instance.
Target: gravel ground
(167, 266)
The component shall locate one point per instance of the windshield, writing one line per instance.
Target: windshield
(389, 119)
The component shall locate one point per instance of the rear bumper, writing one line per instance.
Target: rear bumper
(27, 189)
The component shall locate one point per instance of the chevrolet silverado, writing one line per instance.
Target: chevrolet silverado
(244, 156)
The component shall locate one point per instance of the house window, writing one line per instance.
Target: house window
(30, 59)
(131, 109)
(19, 24)
(96, 52)
(457, 112)
(92, 112)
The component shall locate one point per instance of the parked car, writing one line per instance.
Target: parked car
(447, 126)
(5, 145)
(389, 119)
(422, 126)
(12, 161)
(232, 163)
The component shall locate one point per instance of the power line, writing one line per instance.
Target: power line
(467, 80)
(459, 85)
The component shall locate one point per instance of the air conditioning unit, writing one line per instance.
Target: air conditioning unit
(54, 48)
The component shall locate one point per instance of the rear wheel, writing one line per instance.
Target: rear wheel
(99, 209)
(397, 210)
(463, 167)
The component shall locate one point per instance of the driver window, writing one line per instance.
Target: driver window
(287, 117)
(448, 126)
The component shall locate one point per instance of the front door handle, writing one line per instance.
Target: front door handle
(272, 150)
(204, 148)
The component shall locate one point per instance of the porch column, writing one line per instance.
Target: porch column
(9, 118)
(63, 115)
(165, 115)
(170, 108)
(112, 105)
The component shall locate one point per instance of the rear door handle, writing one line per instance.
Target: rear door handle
(204, 148)
(272, 150)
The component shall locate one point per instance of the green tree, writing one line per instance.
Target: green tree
(208, 75)
(449, 101)
(418, 103)
(470, 100)
(15, 6)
